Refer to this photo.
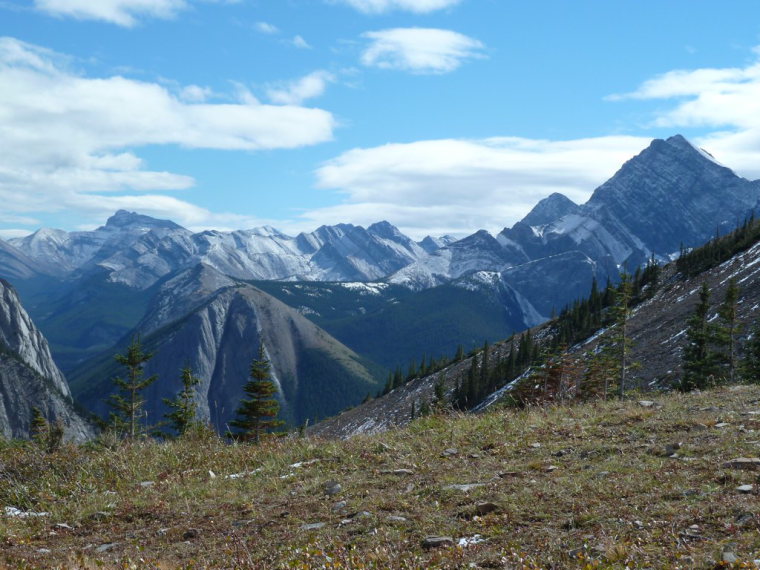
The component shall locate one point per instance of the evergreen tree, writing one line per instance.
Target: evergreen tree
(38, 426)
(728, 330)
(128, 406)
(459, 356)
(750, 366)
(183, 406)
(620, 338)
(257, 414)
(699, 359)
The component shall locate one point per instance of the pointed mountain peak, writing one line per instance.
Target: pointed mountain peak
(550, 209)
(123, 219)
(384, 229)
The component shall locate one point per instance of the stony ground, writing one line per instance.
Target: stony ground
(618, 484)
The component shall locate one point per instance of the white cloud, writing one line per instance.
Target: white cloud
(121, 12)
(300, 43)
(298, 91)
(126, 13)
(417, 6)
(456, 186)
(69, 141)
(725, 101)
(419, 50)
(266, 28)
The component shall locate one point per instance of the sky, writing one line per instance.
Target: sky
(439, 116)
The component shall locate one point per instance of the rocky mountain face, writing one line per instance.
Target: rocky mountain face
(28, 375)
(204, 320)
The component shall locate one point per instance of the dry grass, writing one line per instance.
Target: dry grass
(587, 486)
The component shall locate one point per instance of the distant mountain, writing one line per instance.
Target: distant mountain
(379, 293)
(656, 329)
(204, 320)
(15, 264)
(138, 250)
(671, 195)
(29, 377)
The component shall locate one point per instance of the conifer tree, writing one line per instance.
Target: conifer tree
(699, 359)
(38, 426)
(258, 413)
(728, 330)
(750, 366)
(128, 406)
(621, 339)
(183, 407)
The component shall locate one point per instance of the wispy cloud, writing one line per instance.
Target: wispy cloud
(126, 13)
(456, 186)
(300, 43)
(382, 6)
(298, 91)
(69, 141)
(266, 28)
(419, 50)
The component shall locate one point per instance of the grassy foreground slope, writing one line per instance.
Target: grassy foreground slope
(587, 486)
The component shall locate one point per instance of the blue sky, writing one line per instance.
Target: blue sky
(440, 116)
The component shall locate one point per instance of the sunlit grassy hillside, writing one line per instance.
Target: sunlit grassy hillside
(604, 485)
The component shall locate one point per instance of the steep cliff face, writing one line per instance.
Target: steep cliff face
(214, 325)
(28, 375)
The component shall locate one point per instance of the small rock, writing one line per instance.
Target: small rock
(535, 445)
(63, 526)
(43, 551)
(470, 541)
(396, 518)
(332, 488)
(671, 450)
(743, 463)
(360, 515)
(211, 474)
(482, 509)
(146, 484)
(646, 403)
(507, 474)
(602, 474)
(99, 516)
(399, 472)
(550, 468)
(312, 526)
(162, 531)
(722, 424)
(465, 488)
(437, 542)
(728, 557)
(191, 533)
(339, 506)
(744, 519)
(745, 489)
(106, 547)
(449, 452)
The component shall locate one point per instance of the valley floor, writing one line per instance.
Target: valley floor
(602, 485)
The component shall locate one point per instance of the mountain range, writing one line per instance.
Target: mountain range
(345, 301)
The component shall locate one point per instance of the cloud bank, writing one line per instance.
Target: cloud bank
(68, 141)
(458, 186)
